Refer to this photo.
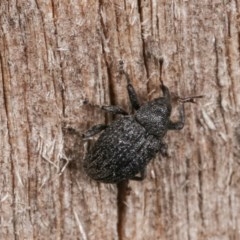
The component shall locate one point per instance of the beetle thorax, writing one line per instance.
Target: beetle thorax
(154, 117)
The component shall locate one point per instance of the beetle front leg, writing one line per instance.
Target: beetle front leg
(163, 149)
(165, 90)
(132, 93)
(179, 124)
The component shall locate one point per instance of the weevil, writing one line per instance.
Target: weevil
(126, 146)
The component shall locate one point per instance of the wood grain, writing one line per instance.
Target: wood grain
(56, 56)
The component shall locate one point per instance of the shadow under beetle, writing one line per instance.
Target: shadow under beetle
(126, 146)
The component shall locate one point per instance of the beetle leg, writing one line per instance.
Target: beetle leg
(133, 97)
(94, 130)
(114, 109)
(163, 149)
(141, 177)
(179, 124)
(132, 93)
(165, 90)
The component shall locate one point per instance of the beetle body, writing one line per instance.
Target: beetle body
(122, 150)
(126, 146)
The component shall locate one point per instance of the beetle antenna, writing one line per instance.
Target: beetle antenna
(189, 99)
